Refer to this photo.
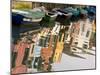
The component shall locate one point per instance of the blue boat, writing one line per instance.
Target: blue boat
(91, 12)
(35, 16)
(74, 11)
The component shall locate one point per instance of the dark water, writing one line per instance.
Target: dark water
(17, 29)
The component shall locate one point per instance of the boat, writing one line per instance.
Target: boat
(31, 14)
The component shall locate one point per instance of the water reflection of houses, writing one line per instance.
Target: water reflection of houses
(80, 33)
(93, 36)
(57, 27)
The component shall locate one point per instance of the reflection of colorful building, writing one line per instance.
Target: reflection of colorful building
(31, 53)
(19, 63)
(93, 36)
(59, 49)
(46, 54)
(35, 50)
(80, 34)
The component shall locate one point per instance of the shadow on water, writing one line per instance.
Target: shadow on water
(24, 27)
(68, 52)
(15, 32)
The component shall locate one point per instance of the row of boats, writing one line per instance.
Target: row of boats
(38, 13)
